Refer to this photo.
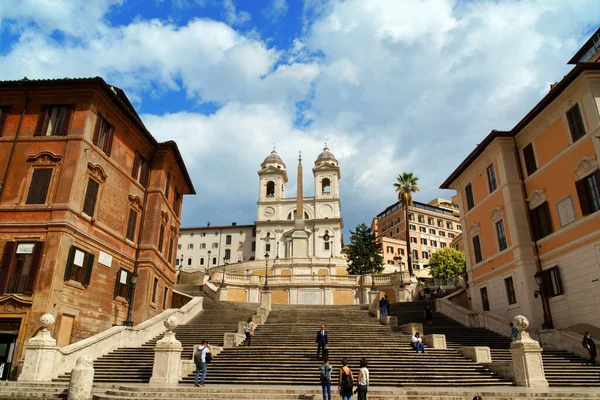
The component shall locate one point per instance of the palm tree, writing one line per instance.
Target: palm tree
(407, 184)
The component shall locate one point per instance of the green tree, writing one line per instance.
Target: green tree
(447, 263)
(407, 184)
(360, 250)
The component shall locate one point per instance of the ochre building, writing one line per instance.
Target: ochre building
(89, 201)
(530, 202)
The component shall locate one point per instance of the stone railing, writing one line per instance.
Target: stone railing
(555, 339)
(473, 319)
(111, 339)
(210, 290)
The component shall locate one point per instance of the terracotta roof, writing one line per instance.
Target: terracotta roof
(122, 101)
(196, 228)
(554, 92)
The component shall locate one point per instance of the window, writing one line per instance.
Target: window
(214, 260)
(79, 266)
(451, 235)
(432, 231)
(54, 120)
(190, 246)
(216, 233)
(326, 246)
(430, 221)
(421, 219)
(491, 176)
(161, 238)
(415, 255)
(434, 243)
(469, 195)
(189, 261)
(202, 234)
(477, 249)
(202, 245)
(442, 233)
(440, 223)
(423, 229)
(268, 247)
(4, 111)
(165, 297)
(270, 189)
(588, 191)
(397, 230)
(326, 184)
(131, 224)
(19, 266)
(575, 123)
(122, 284)
(179, 247)
(511, 296)
(228, 239)
(484, 299)
(425, 254)
(442, 245)
(171, 243)
(91, 195)
(154, 289)
(253, 232)
(202, 261)
(552, 282)
(176, 262)
(501, 234)
(103, 135)
(177, 202)
(215, 245)
(424, 241)
(141, 171)
(168, 185)
(390, 250)
(541, 222)
(227, 254)
(449, 225)
(413, 239)
(529, 157)
(458, 228)
(412, 227)
(38, 189)
(411, 217)
(253, 246)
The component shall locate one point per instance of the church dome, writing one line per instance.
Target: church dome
(326, 155)
(273, 158)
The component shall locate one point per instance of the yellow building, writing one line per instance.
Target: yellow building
(529, 201)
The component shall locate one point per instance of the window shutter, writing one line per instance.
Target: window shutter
(69, 267)
(36, 259)
(117, 282)
(87, 274)
(3, 112)
(109, 140)
(136, 165)
(64, 129)
(145, 173)
(131, 225)
(161, 238)
(38, 190)
(583, 200)
(42, 122)
(534, 224)
(546, 283)
(170, 250)
(97, 129)
(91, 195)
(547, 219)
(7, 257)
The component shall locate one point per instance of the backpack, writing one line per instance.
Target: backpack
(198, 356)
(326, 373)
(208, 358)
(347, 383)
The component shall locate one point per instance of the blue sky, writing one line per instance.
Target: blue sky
(390, 85)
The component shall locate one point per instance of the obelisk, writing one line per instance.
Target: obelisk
(299, 236)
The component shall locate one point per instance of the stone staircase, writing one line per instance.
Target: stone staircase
(561, 368)
(283, 352)
(134, 365)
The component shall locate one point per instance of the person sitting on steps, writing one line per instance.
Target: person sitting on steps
(417, 343)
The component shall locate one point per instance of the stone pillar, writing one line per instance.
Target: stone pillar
(479, 354)
(435, 341)
(40, 354)
(223, 294)
(167, 357)
(527, 364)
(265, 299)
(82, 379)
(374, 310)
(412, 328)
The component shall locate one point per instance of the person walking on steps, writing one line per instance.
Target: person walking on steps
(200, 359)
(428, 315)
(383, 307)
(387, 305)
(514, 332)
(249, 330)
(363, 380)
(427, 293)
(326, 378)
(421, 294)
(590, 346)
(417, 343)
(321, 342)
(346, 381)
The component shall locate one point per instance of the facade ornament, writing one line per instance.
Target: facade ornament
(45, 159)
(474, 229)
(164, 216)
(97, 172)
(585, 166)
(135, 202)
(174, 230)
(497, 214)
(536, 198)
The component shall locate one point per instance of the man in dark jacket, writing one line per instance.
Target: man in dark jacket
(321, 342)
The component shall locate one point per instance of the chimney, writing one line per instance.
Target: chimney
(208, 224)
(234, 224)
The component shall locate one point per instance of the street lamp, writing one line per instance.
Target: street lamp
(373, 288)
(133, 280)
(399, 261)
(225, 259)
(547, 324)
(208, 261)
(266, 276)
(180, 268)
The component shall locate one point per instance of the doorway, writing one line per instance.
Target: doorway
(9, 331)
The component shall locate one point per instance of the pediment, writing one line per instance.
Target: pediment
(12, 303)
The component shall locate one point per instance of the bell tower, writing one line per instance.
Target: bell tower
(272, 179)
(327, 175)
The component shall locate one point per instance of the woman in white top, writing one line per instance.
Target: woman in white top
(249, 330)
(363, 380)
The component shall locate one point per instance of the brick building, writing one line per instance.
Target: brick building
(88, 200)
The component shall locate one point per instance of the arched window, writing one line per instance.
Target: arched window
(291, 214)
(270, 188)
(227, 254)
(202, 261)
(228, 239)
(306, 215)
(214, 260)
(189, 261)
(176, 261)
(326, 185)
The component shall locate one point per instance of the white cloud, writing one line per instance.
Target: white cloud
(276, 10)
(232, 16)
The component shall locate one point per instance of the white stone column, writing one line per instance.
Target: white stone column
(265, 299)
(167, 357)
(374, 310)
(82, 379)
(223, 294)
(528, 367)
(40, 354)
